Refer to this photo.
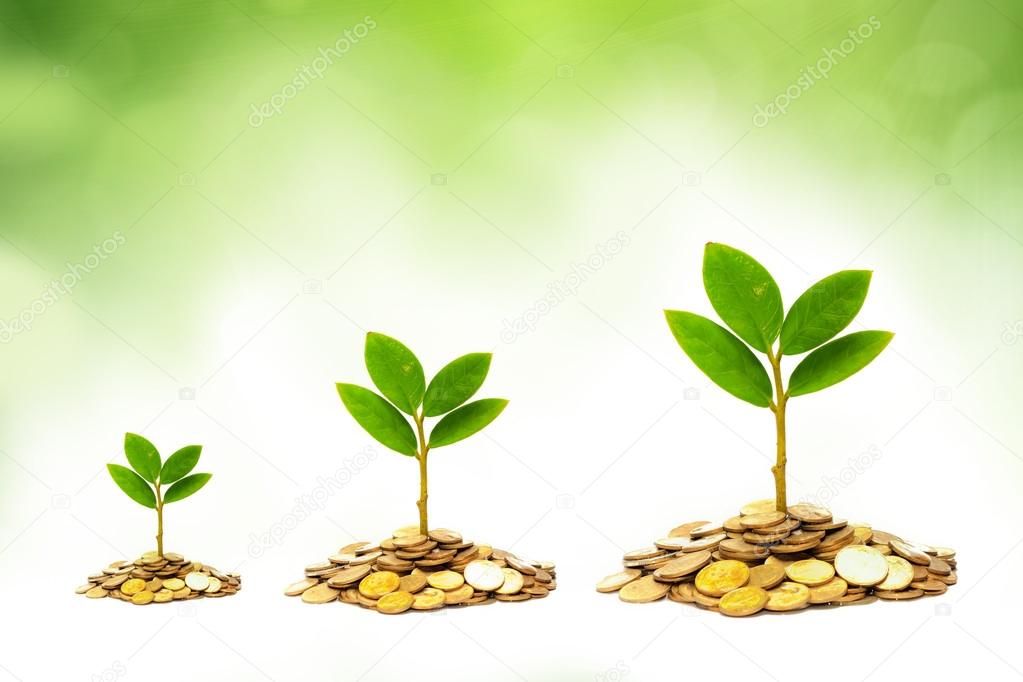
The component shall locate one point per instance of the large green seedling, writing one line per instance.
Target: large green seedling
(398, 374)
(748, 300)
(146, 483)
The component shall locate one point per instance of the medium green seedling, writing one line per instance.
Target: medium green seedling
(399, 376)
(151, 474)
(748, 300)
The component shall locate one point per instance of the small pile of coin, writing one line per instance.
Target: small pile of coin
(156, 579)
(423, 572)
(765, 559)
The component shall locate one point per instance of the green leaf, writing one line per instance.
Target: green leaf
(185, 487)
(455, 383)
(721, 356)
(824, 310)
(133, 485)
(180, 463)
(744, 295)
(465, 421)
(379, 418)
(396, 371)
(836, 361)
(142, 456)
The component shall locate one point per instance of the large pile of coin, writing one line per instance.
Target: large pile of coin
(422, 573)
(157, 579)
(764, 559)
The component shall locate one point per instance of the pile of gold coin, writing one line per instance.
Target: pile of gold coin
(156, 579)
(766, 560)
(410, 571)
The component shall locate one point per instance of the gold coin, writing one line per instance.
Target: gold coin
(376, 585)
(722, 577)
(133, 586)
(829, 591)
(163, 596)
(182, 593)
(643, 553)
(646, 589)
(295, 589)
(214, 586)
(350, 575)
(758, 507)
(197, 582)
(445, 580)
(910, 552)
(395, 602)
(484, 575)
(787, 597)
(430, 598)
(744, 601)
(900, 594)
(406, 531)
(810, 572)
(413, 582)
(512, 582)
(900, 574)
(861, 565)
(763, 519)
(766, 575)
(810, 513)
(96, 593)
(320, 594)
(458, 595)
(617, 581)
(683, 565)
(685, 528)
(143, 597)
(173, 584)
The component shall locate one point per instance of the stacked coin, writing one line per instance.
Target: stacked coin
(764, 559)
(422, 573)
(156, 579)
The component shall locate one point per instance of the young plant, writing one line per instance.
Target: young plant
(397, 373)
(146, 483)
(748, 300)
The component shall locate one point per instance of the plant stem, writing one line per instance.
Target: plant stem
(159, 521)
(778, 407)
(424, 527)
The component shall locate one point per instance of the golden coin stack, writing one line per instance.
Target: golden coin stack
(422, 573)
(764, 559)
(156, 579)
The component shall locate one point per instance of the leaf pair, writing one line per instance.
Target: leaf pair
(399, 376)
(748, 300)
(150, 472)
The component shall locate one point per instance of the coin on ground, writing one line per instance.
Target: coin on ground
(133, 586)
(292, 590)
(617, 581)
(809, 513)
(763, 519)
(646, 589)
(721, 577)
(376, 585)
(910, 552)
(175, 584)
(829, 591)
(143, 597)
(395, 602)
(430, 598)
(163, 596)
(197, 581)
(810, 572)
(458, 595)
(445, 580)
(766, 575)
(683, 565)
(96, 593)
(900, 574)
(861, 565)
(320, 594)
(512, 582)
(788, 597)
(484, 575)
(744, 601)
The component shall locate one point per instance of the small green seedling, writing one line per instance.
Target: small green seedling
(748, 300)
(397, 373)
(146, 483)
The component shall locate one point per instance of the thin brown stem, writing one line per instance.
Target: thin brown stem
(778, 407)
(424, 527)
(159, 521)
